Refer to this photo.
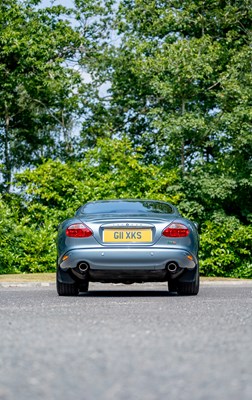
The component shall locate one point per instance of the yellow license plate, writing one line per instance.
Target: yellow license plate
(131, 235)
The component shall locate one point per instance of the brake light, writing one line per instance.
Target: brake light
(176, 230)
(78, 231)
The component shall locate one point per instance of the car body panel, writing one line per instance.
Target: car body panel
(133, 259)
(122, 258)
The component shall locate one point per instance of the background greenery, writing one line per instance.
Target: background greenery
(126, 99)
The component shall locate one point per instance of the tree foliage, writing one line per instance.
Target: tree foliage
(166, 114)
(181, 88)
(38, 95)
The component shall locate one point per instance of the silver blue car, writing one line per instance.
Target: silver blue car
(127, 241)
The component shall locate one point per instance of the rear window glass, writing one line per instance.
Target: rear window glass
(127, 207)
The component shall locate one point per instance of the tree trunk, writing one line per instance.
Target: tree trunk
(182, 141)
(7, 161)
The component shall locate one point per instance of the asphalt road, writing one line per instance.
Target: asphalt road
(126, 342)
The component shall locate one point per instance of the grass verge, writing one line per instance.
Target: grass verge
(36, 277)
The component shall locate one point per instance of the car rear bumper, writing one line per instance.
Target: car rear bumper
(127, 259)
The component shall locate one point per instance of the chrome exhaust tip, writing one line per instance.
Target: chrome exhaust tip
(83, 267)
(172, 267)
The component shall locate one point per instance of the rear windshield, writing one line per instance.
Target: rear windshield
(126, 207)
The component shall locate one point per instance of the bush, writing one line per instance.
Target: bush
(226, 248)
(53, 191)
(25, 247)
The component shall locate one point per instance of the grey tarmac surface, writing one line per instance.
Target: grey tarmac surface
(126, 342)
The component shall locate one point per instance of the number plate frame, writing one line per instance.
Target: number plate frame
(127, 235)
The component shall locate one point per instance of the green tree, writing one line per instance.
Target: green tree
(181, 88)
(37, 89)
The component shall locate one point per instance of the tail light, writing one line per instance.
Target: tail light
(176, 230)
(79, 231)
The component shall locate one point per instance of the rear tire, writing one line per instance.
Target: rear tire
(189, 288)
(66, 289)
